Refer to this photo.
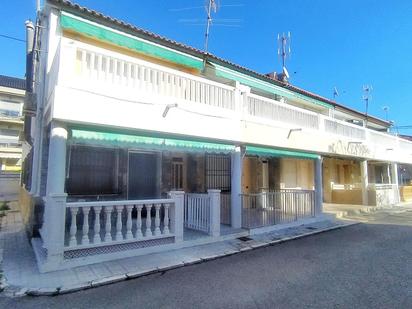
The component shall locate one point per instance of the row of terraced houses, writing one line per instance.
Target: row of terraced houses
(137, 144)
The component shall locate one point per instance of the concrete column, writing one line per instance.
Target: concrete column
(318, 187)
(56, 171)
(53, 230)
(176, 214)
(236, 187)
(364, 181)
(395, 181)
(54, 217)
(214, 196)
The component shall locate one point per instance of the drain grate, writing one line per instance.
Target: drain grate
(245, 238)
(311, 228)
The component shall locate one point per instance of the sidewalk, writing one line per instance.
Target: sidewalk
(21, 276)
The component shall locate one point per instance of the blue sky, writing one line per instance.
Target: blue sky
(334, 43)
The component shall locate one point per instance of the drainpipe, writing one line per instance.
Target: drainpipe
(28, 103)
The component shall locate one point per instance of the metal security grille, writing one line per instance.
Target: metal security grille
(218, 172)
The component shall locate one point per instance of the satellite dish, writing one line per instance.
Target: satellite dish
(285, 72)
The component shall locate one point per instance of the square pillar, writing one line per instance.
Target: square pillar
(177, 214)
(214, 196)
(395, 181)
(55, 223)
(364, 182)
(236, 188)
(318, 187)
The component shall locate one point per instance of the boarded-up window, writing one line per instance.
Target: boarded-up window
(92, 171)
(218, 172)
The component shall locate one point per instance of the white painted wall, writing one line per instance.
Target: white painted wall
(119, 104)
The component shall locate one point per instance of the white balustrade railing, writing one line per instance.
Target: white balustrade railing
(197, 212)
(343, 128)
(385, 139)
(406, 146)
(112, 222)
(258, 106)
(148, 79)
(110, 71)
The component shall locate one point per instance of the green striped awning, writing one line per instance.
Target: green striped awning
(273, 152)
(160, 143)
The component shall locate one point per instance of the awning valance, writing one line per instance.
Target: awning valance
(272, 152)
(127, 140)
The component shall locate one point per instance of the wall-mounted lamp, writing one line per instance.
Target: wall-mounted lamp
(293, 130)
(168, 106)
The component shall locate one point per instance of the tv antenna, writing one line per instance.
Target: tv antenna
(367, 97)
(211, 6)
(335, 93)
(284, 52)
(386, 110)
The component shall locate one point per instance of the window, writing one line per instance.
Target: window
(177, 174)
(92, 171)
(9, 132)
(218, 172)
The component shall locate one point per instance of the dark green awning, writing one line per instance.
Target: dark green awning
(128, 140)
(273, 152)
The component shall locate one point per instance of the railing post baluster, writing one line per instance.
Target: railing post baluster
(73, 226)
(139, 233)
(157, 220)
(108, 226)
(166, 220)
(119, 225)
(85, 238)
(129, 234)
(148, 220)
(96, 238)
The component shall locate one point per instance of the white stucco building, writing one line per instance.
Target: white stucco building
(142, 144)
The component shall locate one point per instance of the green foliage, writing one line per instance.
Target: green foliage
(4, 206)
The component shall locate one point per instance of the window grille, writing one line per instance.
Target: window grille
(218, 172)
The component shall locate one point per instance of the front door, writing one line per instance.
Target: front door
(143, 176)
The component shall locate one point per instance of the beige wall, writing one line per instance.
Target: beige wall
(296, 173)
(343, 172)
(283, 173)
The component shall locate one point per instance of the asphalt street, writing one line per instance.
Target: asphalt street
(368, 265)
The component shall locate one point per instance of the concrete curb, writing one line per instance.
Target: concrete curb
(21, 291)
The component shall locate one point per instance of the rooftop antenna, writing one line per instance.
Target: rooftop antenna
(386, 110)
(211, 5)
(284, 53)
(335, 93)
(367, 97)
